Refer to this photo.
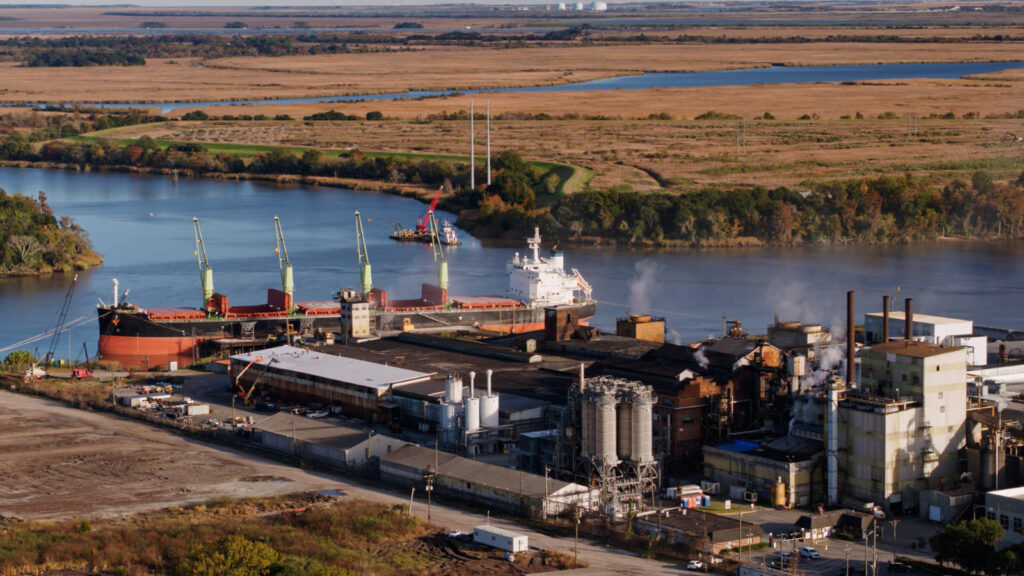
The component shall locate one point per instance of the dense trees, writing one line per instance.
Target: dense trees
(971, 545)
(877, 210)
(33, 240)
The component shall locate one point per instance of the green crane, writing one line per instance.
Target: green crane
(205, 271)
(438, 249)
(287, 281)
(365, 278)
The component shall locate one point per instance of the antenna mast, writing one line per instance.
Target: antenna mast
(205, 272)
(287, 280)
(435, 245)
(488, 143)
(365, 278)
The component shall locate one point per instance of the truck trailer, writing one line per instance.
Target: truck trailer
(501, 539)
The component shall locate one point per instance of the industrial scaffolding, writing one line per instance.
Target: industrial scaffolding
(605, 441)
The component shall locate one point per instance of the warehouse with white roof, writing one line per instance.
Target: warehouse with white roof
(356, 387)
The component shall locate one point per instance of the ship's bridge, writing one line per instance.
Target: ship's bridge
(537, 281)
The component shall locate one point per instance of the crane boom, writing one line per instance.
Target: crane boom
(205, 272)
(365, 277)
(438, 250)
(287, 280)
(60, 321)
(424, 224)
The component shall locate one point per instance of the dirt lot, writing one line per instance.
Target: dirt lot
(58, 462)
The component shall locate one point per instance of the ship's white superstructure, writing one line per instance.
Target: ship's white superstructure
(540, 281)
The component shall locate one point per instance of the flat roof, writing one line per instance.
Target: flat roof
(922, 318)
(315, 430)
(477, 472)
(330, 367)
(1015, 493)
(913, 349)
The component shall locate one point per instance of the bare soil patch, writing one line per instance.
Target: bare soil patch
(58, 462)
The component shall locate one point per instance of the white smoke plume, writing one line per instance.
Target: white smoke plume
(701, 358)
(640, 286)
(832, 357)
(675, 338)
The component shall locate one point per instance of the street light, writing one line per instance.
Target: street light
(576, 541)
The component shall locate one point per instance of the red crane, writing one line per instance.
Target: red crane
(423, 223)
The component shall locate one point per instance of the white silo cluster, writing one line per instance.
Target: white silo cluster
(475, 412)
(599, 6)
(561, 6)
(617, 421)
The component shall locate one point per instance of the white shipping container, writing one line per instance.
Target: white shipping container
(501, 539)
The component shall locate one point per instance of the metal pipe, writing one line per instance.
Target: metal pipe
(850, 349)
(472, 379)
(908, 319)
(582, 379)
(489, 373)
(885, 319)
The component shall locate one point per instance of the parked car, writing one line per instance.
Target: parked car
(900, 568)
(808, 552)
(694, 565)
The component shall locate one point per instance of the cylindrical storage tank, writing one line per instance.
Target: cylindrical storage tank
(587, 425)
(642, 450)
(447, 415)
(472, 414)
(453, 389)
(624, 430)
(779, 494)
(605, 427)
(489, 411)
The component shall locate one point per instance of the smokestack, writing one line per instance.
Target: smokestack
(472, 379)
(850, 374)
(472, 143)
(489, 372)
(885, 319)
(908, 320)
(582, 380)
(488, 143)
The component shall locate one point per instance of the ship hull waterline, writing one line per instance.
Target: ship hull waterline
(132, 340)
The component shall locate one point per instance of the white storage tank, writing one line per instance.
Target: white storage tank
(642, 450)
(453, 389)
(489, 411)
(624, 429)
(447, 415)
(472, 414)
(605, 428)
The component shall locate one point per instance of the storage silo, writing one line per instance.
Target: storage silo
(453, 389)
(624, 430)
(447, 415)
(587, 426)
(642, 409)
(489, 406)
(472, 414)
(604, 424)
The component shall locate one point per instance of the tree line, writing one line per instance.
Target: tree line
(33, 240)
(879, 210)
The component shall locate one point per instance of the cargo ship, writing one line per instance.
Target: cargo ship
(139, 337)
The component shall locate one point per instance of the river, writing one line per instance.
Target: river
(739, 77)
(142, 226)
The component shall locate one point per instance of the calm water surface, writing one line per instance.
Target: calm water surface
(153, 257)
(742, 77)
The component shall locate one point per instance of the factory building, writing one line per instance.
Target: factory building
(698, 530)
(930, 329)
(324, 441)
(1007, 508)
(356, 387)
(785, 473)
(797, 335)
(902, 429)
(492, 487)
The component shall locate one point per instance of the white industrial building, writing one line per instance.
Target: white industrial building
(930, 329)
(1007, 508)
(900, 432)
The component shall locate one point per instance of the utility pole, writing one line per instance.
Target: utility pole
(472, 144)
(874, 547)
(847, 546)
(576, 540)
(894, 523)
(866, 551)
